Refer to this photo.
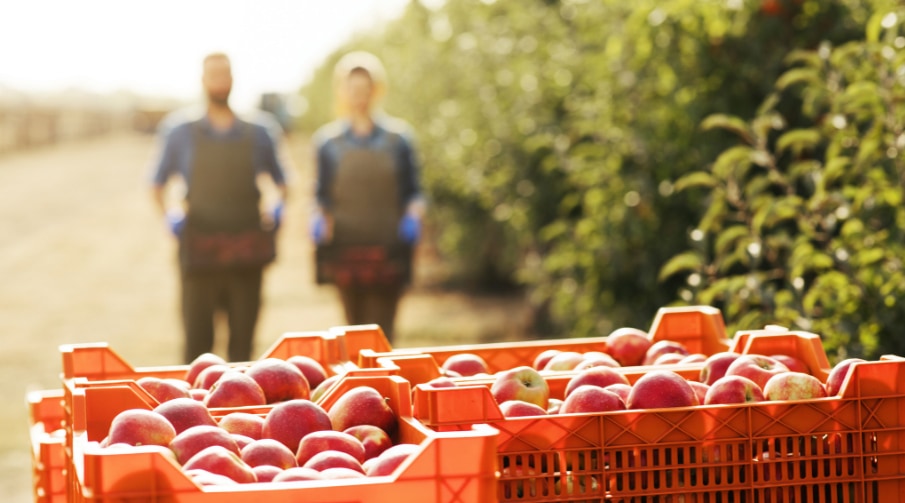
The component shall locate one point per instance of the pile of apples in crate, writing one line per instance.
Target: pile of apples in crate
(293, 438)
(596, 385)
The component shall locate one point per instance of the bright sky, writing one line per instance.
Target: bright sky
(155, 47)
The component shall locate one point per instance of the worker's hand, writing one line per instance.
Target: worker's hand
(320, 232)
(410, 229)
(276, 215)
(176, 222)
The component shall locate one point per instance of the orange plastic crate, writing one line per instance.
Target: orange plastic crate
(844, 449)
(450, 467)
(45, 412)
(700, 328)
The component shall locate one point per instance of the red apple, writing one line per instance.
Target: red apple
(628, 345)
(466, 364)
(325, 385)
(620, 389)
(838, 374)
(664, 347)
(235, 389)
(289, 421)
(794, 386)
(595, 376)
(209, 375)
(162, 390)
(733, 389)
(140, 427)
(297, 473)
(540, 361)
(268, 451)
(200, 363)
(339, 472)
(441, 382)
(206, 478)
(328, 440)
(794, 364)
(221, 461)
(243, 423)
(715, 366)
(521, 383)
(700, 390)
(374, 439)
(279, 379)
(195, 439)
(659, 389)
(184, 413)
(694, 358)
(241, 440)
(668, 359)
(266, 473)
(333, 459)
(518, 408)
(198, 394)
(589, 398)
(564, 360)
(390, 459)
(312, 369)
(758, 368)
(597, 359)
(362, 405)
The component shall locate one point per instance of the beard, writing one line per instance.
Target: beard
(220, 98)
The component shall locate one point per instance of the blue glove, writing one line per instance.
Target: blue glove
(319, 229)
(410, 229)
(277, 215)
(176, 222)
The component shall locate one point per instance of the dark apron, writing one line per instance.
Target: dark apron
(366, 210)
(223, 224)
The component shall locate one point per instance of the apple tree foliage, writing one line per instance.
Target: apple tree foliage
(805, 222)
(552, 135)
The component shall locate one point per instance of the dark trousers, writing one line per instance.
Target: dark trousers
(371, 304)
(237, 293)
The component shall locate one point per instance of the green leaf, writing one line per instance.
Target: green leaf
(798, 140)
(869, 146)
(787, 208)
(689, 261)
(798, 76)
(804, 169)
(764, 123)
(729, 237)
(729, 123)
(734, 160)
(715, 212)
(810, 58)
(768, 104)
(852, 228)
(860, 95)
(869, 256)
(738, 256)
(874, 25)
(835, 168)
(696, 179)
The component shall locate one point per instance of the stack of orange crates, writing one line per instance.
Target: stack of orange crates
(844, 449)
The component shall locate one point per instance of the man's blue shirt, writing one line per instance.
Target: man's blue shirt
(176, 156)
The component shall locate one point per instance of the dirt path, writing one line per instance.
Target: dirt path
(83, 258)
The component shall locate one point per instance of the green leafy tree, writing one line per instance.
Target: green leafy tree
(551, 130)
(804, 225)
